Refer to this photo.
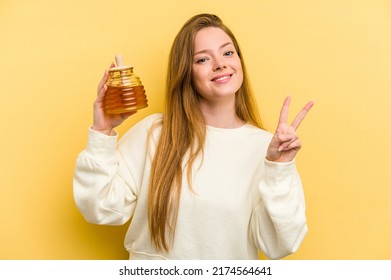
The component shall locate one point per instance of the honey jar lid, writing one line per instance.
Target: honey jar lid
(120, 66)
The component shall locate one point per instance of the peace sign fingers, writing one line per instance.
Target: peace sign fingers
(300, 116)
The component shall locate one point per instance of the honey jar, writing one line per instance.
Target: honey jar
(125, 92)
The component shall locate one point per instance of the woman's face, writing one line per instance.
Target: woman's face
(217, 69)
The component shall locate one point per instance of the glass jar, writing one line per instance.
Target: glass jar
(125, 92)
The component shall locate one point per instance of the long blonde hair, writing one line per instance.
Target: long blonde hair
(183, 129)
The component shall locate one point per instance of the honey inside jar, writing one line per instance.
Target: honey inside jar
(125, 92)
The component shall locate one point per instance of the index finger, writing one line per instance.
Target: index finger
(284, 111)
(300, 116)
(104, 78)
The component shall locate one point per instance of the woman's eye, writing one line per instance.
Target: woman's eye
(228, 53)
(202, 60)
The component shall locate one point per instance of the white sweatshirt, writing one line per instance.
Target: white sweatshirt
(241, 202)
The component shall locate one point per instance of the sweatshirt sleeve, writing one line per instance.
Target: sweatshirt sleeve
(279, 221)
(103, 188)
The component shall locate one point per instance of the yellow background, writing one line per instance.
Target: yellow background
(337, 53)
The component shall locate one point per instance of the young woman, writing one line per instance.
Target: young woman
(202, 180)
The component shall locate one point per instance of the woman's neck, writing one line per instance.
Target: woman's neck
(221, 115)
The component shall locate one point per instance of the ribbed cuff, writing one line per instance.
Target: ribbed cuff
(101, 146)
(278, 172)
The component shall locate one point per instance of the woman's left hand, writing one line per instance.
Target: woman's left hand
(285, 143)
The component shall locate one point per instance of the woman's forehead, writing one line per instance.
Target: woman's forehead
(210, 38)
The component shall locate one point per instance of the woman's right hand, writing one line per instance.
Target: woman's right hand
(105, 123)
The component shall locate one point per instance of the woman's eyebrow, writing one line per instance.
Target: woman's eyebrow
(208, 50)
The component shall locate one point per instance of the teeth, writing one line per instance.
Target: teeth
(222, 78)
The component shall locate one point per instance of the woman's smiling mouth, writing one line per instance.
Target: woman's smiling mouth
(222, 78)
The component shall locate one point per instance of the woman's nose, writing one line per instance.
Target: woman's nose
(219, 65)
